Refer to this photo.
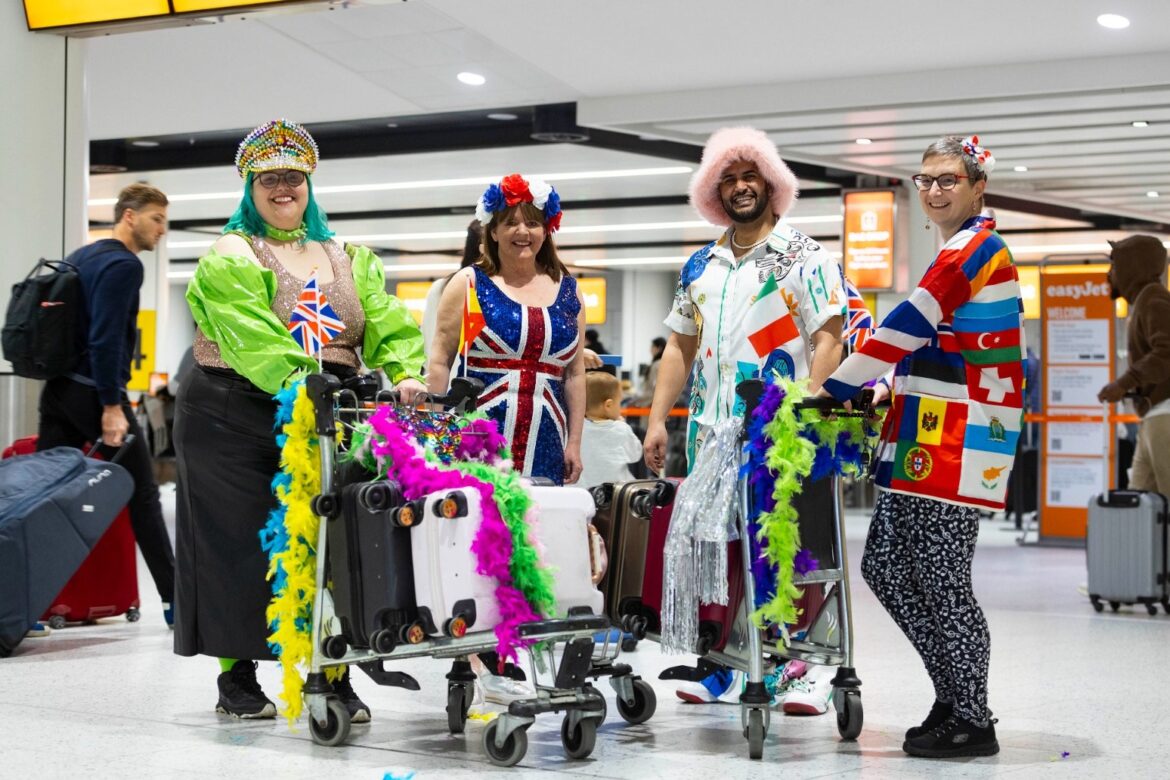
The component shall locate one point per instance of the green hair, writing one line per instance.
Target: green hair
(248, 220)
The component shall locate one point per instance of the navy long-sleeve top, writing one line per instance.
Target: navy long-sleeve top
(111, 276)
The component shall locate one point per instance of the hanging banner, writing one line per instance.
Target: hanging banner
(1077, 320)
(868, 242)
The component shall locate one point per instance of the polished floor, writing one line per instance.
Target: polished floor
(1077, 694)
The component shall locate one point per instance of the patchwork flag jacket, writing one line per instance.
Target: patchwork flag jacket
(957, 348)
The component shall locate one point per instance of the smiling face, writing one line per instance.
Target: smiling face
(949, 209)
(743, 191)
(519, 234)
(282, 206)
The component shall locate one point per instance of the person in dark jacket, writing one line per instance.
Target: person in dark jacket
(90, 403)
(1138, 274)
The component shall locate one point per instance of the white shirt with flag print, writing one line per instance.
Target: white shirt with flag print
(754, 315)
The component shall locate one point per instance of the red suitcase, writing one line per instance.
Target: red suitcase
(107, 583)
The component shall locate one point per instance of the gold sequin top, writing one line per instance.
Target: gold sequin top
(341, 294)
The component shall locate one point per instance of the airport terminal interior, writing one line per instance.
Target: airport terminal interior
(416, 106)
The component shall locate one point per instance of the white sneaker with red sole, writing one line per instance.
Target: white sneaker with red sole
(809, 695)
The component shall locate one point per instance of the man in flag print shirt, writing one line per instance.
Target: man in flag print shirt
(764, 298)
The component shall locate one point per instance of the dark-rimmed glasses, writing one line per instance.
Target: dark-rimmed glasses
(945, 182)
(269, 179)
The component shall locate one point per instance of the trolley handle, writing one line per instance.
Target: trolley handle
(462, 396)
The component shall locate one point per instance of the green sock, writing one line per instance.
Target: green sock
(226, 664)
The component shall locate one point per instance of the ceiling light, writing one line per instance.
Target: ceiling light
(391, 124)
(406, 268)
(1153, 194)
(1140, 123)
(502, 117)
(144, 144)
(179, 274)
(1021, 169)
(1113, 21)
(1053, 249)
(472, 79)
(863, 141)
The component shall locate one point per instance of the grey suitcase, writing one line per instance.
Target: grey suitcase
(54, 507)
(1127, 551)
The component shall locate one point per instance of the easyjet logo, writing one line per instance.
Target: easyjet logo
(1078, 291)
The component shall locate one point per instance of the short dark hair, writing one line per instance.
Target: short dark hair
(136, 197)
(472, 249)
(658, 342)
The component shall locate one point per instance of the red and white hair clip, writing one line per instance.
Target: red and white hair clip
(983, 158)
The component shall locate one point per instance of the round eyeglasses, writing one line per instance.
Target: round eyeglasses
(269, 179)
(945, 182)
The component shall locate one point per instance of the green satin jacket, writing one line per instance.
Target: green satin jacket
(231, 299)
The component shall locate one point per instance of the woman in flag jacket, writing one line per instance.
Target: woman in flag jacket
(274, 296)
(948, 444)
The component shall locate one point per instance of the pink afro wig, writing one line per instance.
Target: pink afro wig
(732, 144)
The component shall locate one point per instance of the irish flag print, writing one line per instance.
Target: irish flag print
(769, 324)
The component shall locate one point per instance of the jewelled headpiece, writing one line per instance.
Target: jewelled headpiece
(277, 144)
(514, 189)
(983, 158)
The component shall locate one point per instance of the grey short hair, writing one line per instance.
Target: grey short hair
(952, 146)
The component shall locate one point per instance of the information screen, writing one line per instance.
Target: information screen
(52, 14)
(868, 242)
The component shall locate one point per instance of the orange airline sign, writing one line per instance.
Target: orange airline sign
(869, 239)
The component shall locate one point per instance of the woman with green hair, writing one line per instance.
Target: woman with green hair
(252, 338)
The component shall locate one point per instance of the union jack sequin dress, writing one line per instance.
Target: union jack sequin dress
(521, 356)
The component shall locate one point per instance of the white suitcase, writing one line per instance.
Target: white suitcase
(452, 598)
(560, 524)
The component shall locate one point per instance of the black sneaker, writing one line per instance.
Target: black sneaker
(939, 712)
(240, 695)
(358, 711)
(955, 738)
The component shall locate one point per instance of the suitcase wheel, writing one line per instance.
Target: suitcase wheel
(407, 515)
(1097, 605)
(1152, 609)
(414, 633)
(451, 507)
(375, 497)
(455, 627)
(1114, 605)
(383, 641)
(57, 622)
(334, 646)
(133, 615)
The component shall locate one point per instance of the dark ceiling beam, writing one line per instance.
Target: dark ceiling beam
(1096, 220)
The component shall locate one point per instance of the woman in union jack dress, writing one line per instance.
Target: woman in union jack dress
(513, 321)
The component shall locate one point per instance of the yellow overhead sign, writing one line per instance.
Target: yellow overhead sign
(52, 14)
(593, 291)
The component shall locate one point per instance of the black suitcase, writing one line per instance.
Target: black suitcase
(54, 507)
(370, 565)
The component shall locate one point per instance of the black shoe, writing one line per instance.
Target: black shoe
(240, 695)
(358, 711)
(939, 712)
(955, 738)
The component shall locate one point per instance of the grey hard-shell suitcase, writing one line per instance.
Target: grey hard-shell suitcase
(54, 507)
(1127, 550)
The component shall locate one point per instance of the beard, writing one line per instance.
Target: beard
(746, 217)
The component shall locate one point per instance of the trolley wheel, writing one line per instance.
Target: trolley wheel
(133, 615)
(57, 622)
(1097, 605)
(515, 746)
(579, 742)
(336, 727)
(413, 634)
(850, 716)
(1114, 605)
(458, 702)
(755, 734)
(589, 688)
(1151, 608)
(383, 642)
(456, 627)
(629, 644)
(644, 706)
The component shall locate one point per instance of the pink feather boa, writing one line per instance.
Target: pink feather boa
(492, 546)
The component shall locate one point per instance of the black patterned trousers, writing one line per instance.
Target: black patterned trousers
(918, 562)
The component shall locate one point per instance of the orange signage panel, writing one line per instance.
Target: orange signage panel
(593, 291)
(185, 6)
(868, 245)
(414, 295)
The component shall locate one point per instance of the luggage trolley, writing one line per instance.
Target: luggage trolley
(560, 686)
(828, 640)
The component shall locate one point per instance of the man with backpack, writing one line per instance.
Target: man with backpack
(89, 403)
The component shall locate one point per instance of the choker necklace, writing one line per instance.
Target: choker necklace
(277, 234)
(737, 245)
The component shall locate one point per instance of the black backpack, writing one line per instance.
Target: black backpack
(40, 329)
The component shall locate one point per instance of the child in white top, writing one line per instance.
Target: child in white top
(608, 444)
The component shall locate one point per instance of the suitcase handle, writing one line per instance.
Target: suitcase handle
(127, 440)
